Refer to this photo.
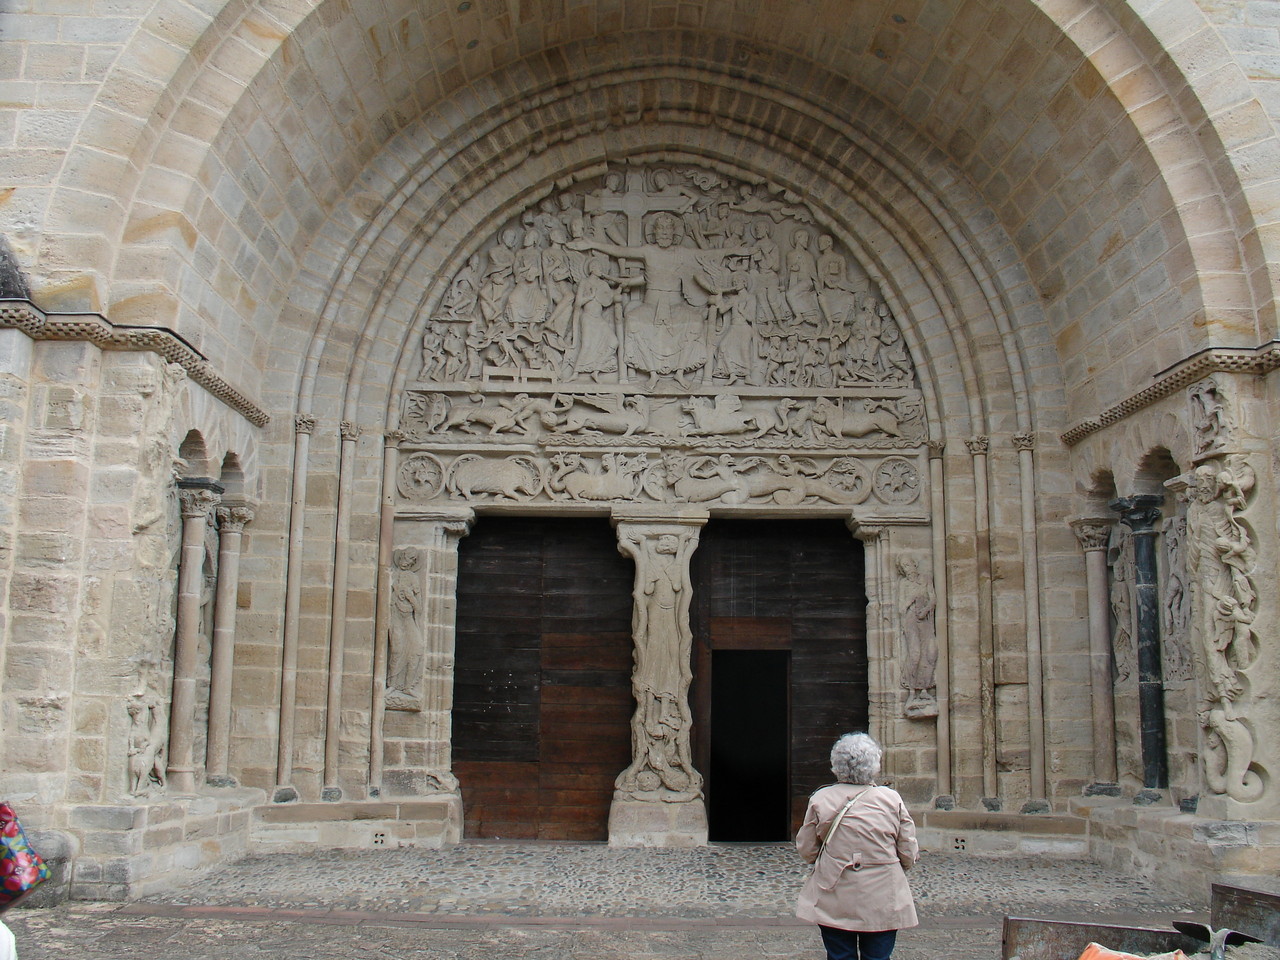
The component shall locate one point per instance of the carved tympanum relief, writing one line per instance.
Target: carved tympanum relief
(663, 334)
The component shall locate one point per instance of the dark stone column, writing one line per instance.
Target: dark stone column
(1140, 515)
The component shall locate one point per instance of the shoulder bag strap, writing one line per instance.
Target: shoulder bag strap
(836, 822)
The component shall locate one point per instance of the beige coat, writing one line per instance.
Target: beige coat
(859, 883)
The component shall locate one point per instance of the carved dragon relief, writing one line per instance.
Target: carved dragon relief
(664, 335)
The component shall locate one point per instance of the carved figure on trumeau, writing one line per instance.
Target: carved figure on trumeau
(148, 742)
(1220, 567)
(662, 766)
(405, 632)
(916, 608)
(1175, 656)
(1123, 651)
(1210, 418)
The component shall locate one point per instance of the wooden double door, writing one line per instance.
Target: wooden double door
(542, 694)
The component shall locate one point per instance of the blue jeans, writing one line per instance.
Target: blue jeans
(857, 945)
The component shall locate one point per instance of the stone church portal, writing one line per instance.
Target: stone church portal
(411, 410)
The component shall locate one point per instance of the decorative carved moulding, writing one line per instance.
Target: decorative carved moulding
(1258, 360)
(97, 329)
(663, 334)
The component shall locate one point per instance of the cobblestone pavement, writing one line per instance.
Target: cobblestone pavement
(501, 901)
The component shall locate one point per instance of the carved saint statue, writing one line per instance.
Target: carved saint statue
(404, 632)
(916, 608)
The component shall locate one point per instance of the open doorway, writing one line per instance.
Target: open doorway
(750, 749)
(780, 667)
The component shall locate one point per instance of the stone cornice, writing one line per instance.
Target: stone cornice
(1256, 360)
(97, 329)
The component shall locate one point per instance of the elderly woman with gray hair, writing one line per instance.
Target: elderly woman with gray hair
(861, 841)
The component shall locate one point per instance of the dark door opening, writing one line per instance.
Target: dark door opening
(749, 745)
(788, 597)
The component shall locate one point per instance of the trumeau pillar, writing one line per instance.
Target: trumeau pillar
(1094, 534)
(198, 498)
(1140, 514)
(421, 624)
(658, 800)
(231, 523)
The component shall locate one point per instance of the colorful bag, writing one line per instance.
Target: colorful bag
(21, 868)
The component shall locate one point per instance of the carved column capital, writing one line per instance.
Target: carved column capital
(1139, 513)
(349, 430)
(1024, 441)
(233, 518)
(979, 445)
(393, 438)
(198, 501)
(937, 448)
(867, 532)
(1094, 533)
(304, 423)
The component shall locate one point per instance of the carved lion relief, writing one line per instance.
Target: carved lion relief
(663, 334)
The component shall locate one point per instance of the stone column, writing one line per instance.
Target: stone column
(1140, 514)
(881, 695)
(231, 521)
(421, 636)
(303, 426)
(1094, 533)
(937, 449)
(986, 639)
(657, 800)
(1025, 444)
(338, 612)
(198, 499)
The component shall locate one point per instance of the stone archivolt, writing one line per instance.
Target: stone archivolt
(663, 334)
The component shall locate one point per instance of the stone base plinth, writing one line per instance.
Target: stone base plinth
(433, 822)
(132, 850)
(652, 823)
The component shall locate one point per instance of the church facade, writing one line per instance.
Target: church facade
(428, 421)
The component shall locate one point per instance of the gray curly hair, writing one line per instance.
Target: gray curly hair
(855, 758)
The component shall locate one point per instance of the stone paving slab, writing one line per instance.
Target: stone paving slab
(490, 901)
